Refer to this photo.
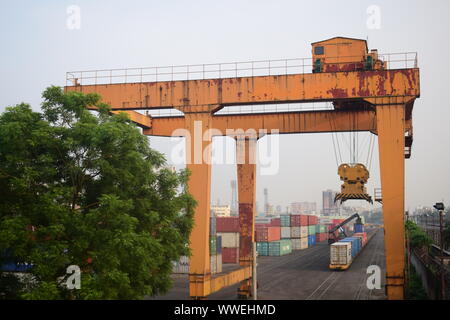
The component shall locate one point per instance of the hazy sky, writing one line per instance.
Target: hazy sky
(37, 49)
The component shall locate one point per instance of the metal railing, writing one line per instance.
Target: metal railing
(223, 70)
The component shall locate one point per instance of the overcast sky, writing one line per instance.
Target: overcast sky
(37, 49)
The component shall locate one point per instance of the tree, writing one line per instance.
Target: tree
(78, 188)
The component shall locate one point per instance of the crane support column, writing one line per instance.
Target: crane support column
(198, 161)
(246, 178)
(391, 144)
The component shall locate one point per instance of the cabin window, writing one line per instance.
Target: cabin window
(319, 50)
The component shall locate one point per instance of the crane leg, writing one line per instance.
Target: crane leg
(246, 178)
(198, 156)
(391, 143)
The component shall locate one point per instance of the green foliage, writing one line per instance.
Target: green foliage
(417, 237)
(414, 288)
(87, 190)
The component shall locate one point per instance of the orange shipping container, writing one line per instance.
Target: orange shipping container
(268, 234)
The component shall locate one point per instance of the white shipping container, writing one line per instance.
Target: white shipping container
(295, 232)
(303, 243)
(285, 232)
(299, 232)
(219, 263)
(229, 239)
(296, 244)
(303, 232)
(341, 253)
(213, 263)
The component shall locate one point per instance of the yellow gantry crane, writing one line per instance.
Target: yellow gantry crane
(369, 93)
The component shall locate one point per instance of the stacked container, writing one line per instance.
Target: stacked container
(228, 230)
(299, 231)
(267, 234)
(280, 248)
(321, 233)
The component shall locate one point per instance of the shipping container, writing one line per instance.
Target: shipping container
(212, 226)
(311, 240)
(311, 230)
(275, 222)
(230, 255)
(285, 232)
(341, 253)
(262, 248)
(213, 263)
(299, 232)
(219, 263)
(285, 220)
(363, 236)
(280, 248)
(320, 237)
(212, 245)
(321, 228)
(219, 244)
(298, 220)
(304, 242)
(267, 234)
(229, 239)
(355, 244)
(227, 224)
(312, 220)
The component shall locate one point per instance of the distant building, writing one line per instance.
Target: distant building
(303, 208)
(329, 207)
(221, 211)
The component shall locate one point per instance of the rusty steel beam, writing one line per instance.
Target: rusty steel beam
(246, 178)
(141, 120)
(288, 122)
(257, 90)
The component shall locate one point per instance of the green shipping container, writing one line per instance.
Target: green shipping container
(212, 245)
(280, 248)
(285, 220)
(322, 228)
(262, 248)
(311, 230)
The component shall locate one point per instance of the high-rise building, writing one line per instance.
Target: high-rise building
(329, 207)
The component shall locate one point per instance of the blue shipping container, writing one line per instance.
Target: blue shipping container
(356, 244)
(358, 228)
(311, 240)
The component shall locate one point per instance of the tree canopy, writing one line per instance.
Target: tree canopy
(84, 188)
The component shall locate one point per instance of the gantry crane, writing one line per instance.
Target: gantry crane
(369, 93)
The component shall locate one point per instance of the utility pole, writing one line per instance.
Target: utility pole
(254, 277)
(440, 207)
